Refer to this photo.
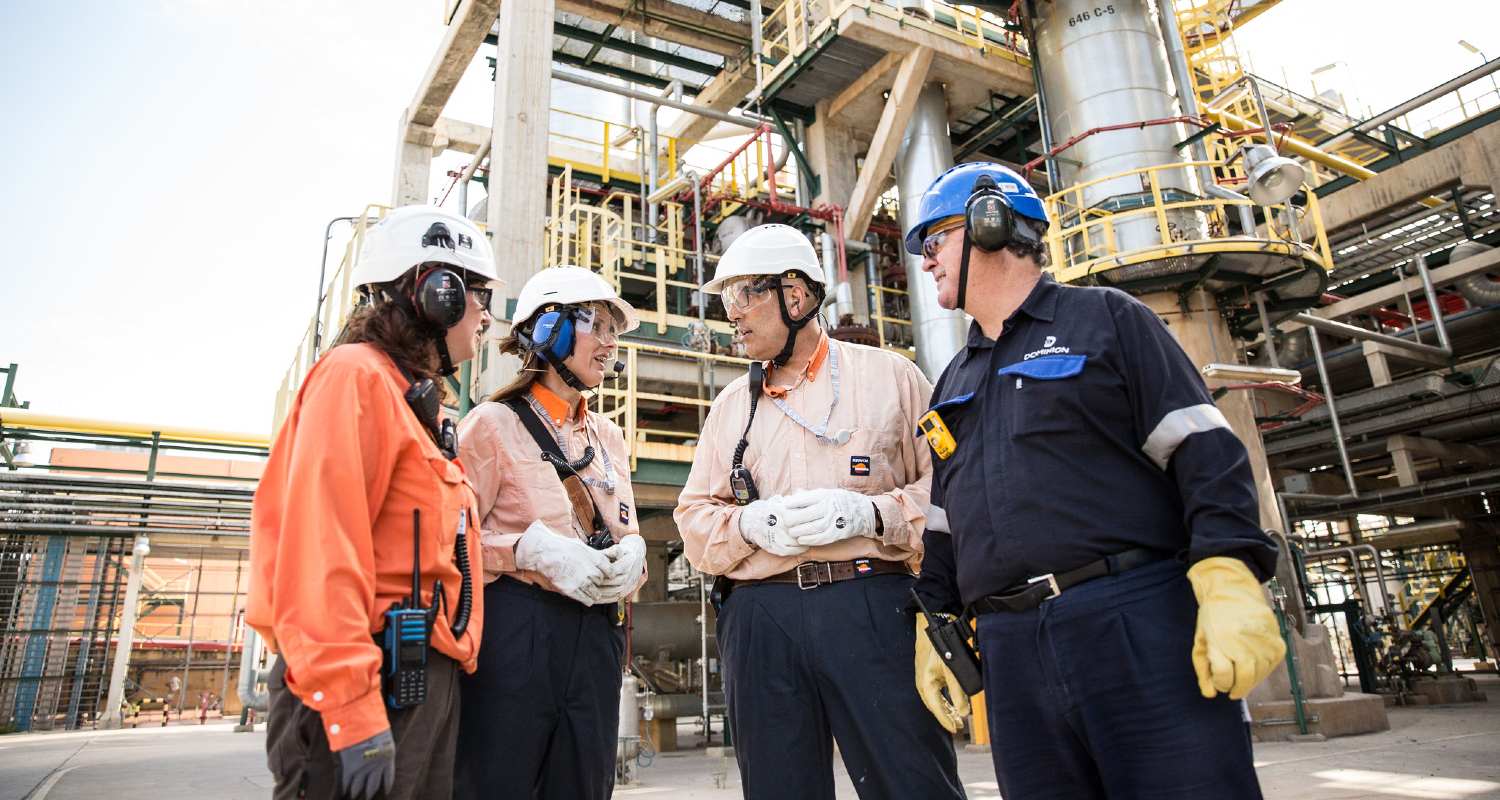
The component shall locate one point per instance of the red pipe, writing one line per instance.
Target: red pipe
(764, 128)
(1032, 164)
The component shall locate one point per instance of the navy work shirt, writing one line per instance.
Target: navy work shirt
(1082, 432)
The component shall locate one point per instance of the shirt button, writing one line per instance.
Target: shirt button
(334, 728)
(317, 697)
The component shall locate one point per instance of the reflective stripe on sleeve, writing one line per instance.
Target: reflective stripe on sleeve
(1178, 426)
(937, 519)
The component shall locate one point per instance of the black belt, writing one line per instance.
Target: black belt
(1035, 591)
(812, 574)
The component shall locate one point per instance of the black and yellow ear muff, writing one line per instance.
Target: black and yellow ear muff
(989, 221)
(989, 224)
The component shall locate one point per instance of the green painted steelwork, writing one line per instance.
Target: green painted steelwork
(664, 473)
(810, 180)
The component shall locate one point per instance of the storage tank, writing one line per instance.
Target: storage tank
(1104, 64)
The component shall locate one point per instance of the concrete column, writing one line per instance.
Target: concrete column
(127, 633)
(925, 153)
(409, 186)
(518, 167)
(833, 150)
(1480, 542)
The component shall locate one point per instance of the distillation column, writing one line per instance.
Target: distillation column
(925, 153)
(1106, 64)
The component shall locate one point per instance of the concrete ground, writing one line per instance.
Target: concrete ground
(1434, 753)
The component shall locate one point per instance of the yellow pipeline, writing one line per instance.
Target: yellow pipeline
(23, 418)
(1297, 145)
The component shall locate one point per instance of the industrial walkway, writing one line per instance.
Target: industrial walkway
(1431, 753)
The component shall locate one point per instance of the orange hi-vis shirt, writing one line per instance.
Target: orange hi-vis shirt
(881, 397)
(331, 538)
(515, 487)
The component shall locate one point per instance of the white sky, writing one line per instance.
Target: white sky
(169, 167)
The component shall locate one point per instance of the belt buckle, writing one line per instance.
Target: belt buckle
(809, 578)
(1051, 580)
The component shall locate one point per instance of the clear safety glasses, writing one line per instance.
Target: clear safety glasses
(742, 294)
(598, 320)
(483, 297)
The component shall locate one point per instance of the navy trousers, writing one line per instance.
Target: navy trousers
(1093, 695)
(803, 669)
(541, 714)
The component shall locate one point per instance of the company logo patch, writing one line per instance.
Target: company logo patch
(624, 514)
(465, 241)
(859, 465)
(862, 566)
(1049, 341)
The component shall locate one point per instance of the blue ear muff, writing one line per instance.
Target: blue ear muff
(553, 335)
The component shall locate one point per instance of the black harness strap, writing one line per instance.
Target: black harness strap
(551, 453)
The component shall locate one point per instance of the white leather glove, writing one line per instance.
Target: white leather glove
(824, 516)
(627, 562)
(762, 523)
(574, 568)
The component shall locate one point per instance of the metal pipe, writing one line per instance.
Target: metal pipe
(926, 152)
(1265, 327)
(749, 120)
(757, 21)
(1433, 306)
(317, 341)
(250, 675)
(1360, 334)
(653, 167)
(1352, 552)
(1054, 182)
(1246, 213)
(1333, 413)
(703, 649)
(1187, 94)
(1487, 68)
(127, 633)
(1286, 548)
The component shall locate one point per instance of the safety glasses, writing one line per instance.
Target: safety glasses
(742, 294)
(598, 320)
(935, 241)
(483, 296)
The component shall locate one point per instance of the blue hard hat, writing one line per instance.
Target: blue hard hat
(949, 193)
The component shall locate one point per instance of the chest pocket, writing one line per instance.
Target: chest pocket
(1041, 392)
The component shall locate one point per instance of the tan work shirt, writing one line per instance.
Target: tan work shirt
(514, 486)
(881, 396)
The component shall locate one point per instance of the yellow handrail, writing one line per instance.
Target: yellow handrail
(1082, 238)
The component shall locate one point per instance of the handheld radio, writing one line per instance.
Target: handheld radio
(740, 482)
(408, 632)
(950, 639)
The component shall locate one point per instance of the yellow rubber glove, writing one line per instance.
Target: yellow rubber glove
(932, 677)
(1237, 643)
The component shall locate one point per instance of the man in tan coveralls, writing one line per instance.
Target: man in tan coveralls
(814, 626)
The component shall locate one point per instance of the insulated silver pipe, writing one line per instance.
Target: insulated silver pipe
(1246, 213)
(249, 675)
(926, 152)
(1487, 68)
(126, 636)
(1187, 95)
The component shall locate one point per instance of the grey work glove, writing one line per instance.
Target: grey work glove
(368, 768)
(763, 524)
(574, 568)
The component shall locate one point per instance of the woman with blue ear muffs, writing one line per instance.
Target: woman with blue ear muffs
(562, 552)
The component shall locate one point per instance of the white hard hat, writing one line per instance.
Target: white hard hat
(569, 285)
(413, 235)
(767, 250)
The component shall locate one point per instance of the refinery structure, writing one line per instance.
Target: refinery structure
(1332, 272)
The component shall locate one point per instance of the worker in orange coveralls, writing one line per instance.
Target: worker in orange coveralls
(363, 475)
